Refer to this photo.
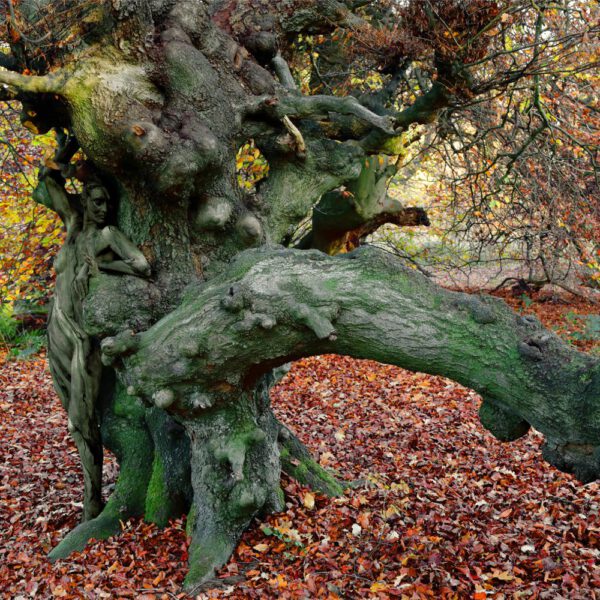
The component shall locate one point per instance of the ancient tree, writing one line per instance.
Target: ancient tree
(179, 292)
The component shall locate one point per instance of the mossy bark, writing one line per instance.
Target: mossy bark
(235, 475)
(298, 463)
(274, 305)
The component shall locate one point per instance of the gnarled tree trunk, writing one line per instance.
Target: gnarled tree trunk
(160, 96)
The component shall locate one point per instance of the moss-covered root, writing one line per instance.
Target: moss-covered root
(170, 490)
(297, 462)
(209, 550)
(108, 523)
(235, 476)
(296, 459)
(125, 433)
(128, 499)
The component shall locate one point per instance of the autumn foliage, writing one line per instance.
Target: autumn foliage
(30, 235)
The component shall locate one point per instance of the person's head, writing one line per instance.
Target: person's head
(95, 202)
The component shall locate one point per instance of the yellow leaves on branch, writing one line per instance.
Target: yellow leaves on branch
(251, 166)
(29, 237)
(29, 234)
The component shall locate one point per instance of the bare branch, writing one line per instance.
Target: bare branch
(36, 84)
(283, 72)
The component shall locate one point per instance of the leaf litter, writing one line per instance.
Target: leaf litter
(438, 508)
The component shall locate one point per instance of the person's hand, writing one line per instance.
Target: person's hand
(92, 266)
(80, 285)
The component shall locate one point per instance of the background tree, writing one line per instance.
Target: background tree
(517, 167)
(160, 96)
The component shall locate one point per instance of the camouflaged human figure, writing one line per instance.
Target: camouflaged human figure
(91, 246)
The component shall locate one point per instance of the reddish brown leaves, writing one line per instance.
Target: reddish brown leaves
(444, 510)
(40, 487)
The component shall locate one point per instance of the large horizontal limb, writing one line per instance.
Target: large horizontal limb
(275, 305)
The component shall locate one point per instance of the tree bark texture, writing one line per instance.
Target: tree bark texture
(183, 300)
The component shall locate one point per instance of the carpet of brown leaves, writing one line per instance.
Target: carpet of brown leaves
(444, 510)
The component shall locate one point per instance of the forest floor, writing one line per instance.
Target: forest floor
(446, 511)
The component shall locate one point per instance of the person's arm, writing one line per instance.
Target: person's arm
(53, 196)
(50, 190)
(80, 284)
(130, 260)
